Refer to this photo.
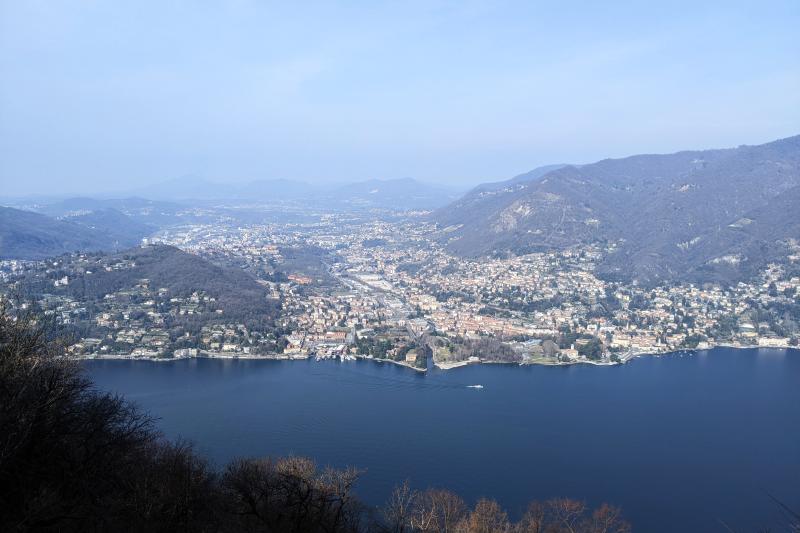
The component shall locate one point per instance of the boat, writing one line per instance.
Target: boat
(474, 386)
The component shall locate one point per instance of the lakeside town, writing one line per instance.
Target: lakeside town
(348, 288)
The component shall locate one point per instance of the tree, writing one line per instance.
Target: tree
(592, 349)
(566, 514)
(53, 423)
(487, 517)
(437, 510)
(533, 521)
(772, 289)
(607, 519)
(82, 460)
(290, 494)
(549, 348)
(563, 515)
(396, 513)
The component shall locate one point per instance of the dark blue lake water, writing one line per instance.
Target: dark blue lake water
(679, 443)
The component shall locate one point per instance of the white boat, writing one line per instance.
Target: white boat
(474, 386)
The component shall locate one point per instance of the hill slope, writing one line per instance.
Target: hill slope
(28, 235)
(659, 206)
(235, 292)
(488, 197)
(120, 229)
(530, 176)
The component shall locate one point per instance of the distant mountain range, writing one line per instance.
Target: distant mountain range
(695, 215)
(712, 215)
(91, 224)
(133, 206)
(404, 193)
(28, 235)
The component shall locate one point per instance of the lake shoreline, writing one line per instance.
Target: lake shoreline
(523, 423)
(443, 366)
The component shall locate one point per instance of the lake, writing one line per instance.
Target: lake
(679, 442)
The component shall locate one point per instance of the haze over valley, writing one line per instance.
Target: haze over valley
(545, 267)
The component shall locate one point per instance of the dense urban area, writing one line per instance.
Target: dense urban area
(348, 287)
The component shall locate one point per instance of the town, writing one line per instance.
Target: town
(385, 289)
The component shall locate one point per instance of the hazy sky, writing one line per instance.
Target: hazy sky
(109, 95)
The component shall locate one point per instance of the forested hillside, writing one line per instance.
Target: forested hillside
(678, 216)
(234, 292)
(28, 235)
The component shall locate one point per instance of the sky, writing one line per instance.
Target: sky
(113, 96)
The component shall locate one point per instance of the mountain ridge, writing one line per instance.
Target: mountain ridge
(403, 193)
(652, 203)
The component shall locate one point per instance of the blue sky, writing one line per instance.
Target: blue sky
(99, 96)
